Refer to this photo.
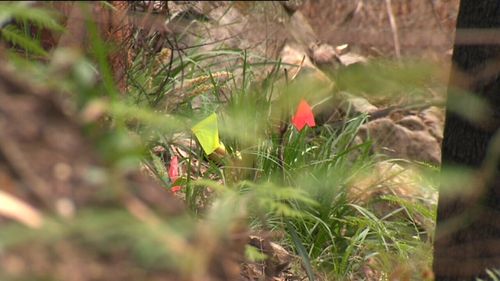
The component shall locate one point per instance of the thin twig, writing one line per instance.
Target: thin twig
(436, 16)
(394, 28)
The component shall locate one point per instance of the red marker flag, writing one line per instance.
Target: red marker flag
(304, 116)
(176, 188)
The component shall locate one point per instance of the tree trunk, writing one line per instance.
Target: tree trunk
(468, 224)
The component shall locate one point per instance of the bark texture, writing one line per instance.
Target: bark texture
(467, 238)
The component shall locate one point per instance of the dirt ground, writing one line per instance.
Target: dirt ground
(423, 27)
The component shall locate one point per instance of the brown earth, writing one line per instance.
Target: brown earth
(424, 28)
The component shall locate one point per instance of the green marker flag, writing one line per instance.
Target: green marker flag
(207, 133)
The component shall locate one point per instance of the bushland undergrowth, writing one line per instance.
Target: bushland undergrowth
(269, 176)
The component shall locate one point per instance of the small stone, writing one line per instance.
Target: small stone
(65, 207)
(62, 171)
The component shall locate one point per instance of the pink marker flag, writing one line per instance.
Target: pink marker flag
(303, 116)
(173, 173)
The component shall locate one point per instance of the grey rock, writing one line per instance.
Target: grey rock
(412, 123)
(398, 141)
